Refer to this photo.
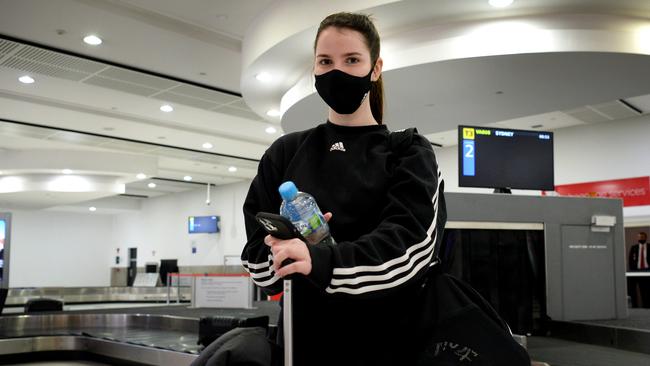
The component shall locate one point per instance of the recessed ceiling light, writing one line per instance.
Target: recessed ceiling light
(0, 173)
(273, 113)
(221, 17)
(151, 185)
(536, 126)
(264, 77)
(207, 145)
(141, 176)
(93, 40)
(167, 108)
(93, 209)
(26, 79)
(500, 3)
(67, 171)
(232, 169)
(271, 130)
(187, 178)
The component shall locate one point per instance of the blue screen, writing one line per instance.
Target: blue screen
(203, 224)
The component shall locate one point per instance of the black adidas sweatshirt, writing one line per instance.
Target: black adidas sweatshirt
(386, 196)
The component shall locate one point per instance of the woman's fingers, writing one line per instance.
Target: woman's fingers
(328, 216)
(271, 240)
(291, 249)
(295, 267)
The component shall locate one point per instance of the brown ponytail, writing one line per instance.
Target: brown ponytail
(377, 99)
(364, 25)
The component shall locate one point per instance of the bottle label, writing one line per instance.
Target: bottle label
(303, 227)
(315, 221)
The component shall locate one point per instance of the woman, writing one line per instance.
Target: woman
(355, 297)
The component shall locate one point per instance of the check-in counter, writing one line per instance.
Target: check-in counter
(583, 246)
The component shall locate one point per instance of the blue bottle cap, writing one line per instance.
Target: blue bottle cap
(288, 190)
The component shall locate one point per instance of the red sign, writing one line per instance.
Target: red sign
(633, 191)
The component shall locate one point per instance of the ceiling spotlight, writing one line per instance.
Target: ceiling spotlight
(141, 176)
(271, 130)
(273, 113)
(207, 145)
(67, 171)
(187, 178)
(167, 108)
(93, 209)
(500, 3)
(264, 77)
(151, 185)
(232, 169)
(93, 40)
(26, 79)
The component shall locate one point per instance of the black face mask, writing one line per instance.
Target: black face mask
(642, 241)
(342, 91)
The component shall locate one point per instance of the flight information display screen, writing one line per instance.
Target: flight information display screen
(505, 158)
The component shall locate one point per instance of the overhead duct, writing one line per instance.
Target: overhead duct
(603, 112)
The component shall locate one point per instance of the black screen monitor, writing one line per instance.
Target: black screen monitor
(504, 158)
(151, 267)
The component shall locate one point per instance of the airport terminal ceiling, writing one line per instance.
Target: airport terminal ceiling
(585, 66)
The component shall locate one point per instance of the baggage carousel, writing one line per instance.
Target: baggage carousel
(132, 336)
(167, 335)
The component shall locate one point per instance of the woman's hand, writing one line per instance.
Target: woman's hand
(294, 249)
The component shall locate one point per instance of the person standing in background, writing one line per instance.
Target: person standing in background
(638, 261)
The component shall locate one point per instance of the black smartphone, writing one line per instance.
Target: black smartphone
(278, 226)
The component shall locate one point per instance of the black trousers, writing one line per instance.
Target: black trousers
(643, 286)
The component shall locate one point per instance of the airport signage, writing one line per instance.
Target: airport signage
(633, 191)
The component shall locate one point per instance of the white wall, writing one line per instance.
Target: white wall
(63, 249)
(583, 154)
(69, 249)
(59, 249)
(159, 229)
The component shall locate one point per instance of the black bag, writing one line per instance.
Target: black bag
(463, 329)
(43, 305)
(212, 327)
(240, 347)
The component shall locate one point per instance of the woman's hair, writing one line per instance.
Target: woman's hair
(362, 24)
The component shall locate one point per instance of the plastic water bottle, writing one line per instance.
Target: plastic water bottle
(301, 209)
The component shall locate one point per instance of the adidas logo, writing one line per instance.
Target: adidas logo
(337, 146)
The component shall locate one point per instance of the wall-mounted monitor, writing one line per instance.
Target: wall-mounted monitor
(203, 224)
(505, 158)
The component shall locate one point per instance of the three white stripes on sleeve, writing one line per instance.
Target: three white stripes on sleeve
(412, 263)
